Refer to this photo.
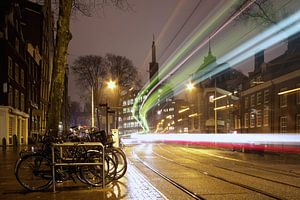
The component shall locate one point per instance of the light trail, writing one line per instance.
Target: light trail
(266, 39)
(180, 52)
(289, 143)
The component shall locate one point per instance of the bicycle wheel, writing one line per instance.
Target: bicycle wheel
(92, 174)
(34, 172)
(120, 159)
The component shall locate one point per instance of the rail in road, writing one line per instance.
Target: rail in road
(246, 171)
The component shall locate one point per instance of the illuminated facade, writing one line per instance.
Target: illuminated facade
(270, 101)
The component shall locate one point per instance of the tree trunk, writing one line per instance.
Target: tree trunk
(63, 37)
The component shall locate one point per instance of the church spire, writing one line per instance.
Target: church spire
(153, 66)
(153, 51)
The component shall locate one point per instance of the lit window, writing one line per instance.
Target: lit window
(266, 96)
(258, 98)
(266, 117)
(252, 100)
(283, 124)
(258, 118)
(246, 120)
(252, 120)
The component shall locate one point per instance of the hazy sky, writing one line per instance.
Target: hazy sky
(130, 33)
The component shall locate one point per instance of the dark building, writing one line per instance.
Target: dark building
(13, 95)
(270, 101)
(24, 57)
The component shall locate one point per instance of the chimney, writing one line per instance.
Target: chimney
(259, 60)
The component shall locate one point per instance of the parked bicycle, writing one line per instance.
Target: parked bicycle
(33, 170)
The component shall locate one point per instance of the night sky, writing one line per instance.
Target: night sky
(130, 33)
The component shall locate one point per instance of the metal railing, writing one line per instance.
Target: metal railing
(59, 162)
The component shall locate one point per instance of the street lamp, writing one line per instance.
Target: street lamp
(190, 86)
(111, 84)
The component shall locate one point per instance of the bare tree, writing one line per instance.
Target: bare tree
(63, 37)
(262, 12)
(122, 70)
(90, 72)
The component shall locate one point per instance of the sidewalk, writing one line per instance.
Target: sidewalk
(132, 186)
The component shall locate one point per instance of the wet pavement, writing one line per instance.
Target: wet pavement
(132, 186)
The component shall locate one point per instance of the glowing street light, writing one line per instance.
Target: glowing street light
(111, 84)
(190, 86)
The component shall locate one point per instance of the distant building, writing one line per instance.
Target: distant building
(127, 123)
(216, 101)
(270, 100)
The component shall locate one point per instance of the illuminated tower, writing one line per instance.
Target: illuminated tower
(153, 65)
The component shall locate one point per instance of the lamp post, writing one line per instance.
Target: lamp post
(93, 111)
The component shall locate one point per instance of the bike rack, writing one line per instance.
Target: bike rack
(75, 144)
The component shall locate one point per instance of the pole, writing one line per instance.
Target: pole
(216, 123)
(106, 118)
(93, 114)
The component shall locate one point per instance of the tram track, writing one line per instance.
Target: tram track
(245, 186)
(262, 168)
(244, 173)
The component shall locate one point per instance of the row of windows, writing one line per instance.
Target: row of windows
(264, 97)
(168, 109)
(253, 120)
(128, 118)
(283, 124)
(257, 118)
(16, 98)
(131, 125)
(126, 110)
(19, 75)
(257, 99)
(129, 102)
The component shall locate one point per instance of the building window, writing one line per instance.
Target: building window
(266, 117)
(283, 124)
(246, 102)
(252, 120)
(17, 44)
(22, 78)
(10, 96)
(258, 98)
(266, 96)
(283, 99)
(17, 99)
(252, 100)
(17, 73)
(246, 120)
(22, 102)
(10, 67)
(258, 118)
(298, 123)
